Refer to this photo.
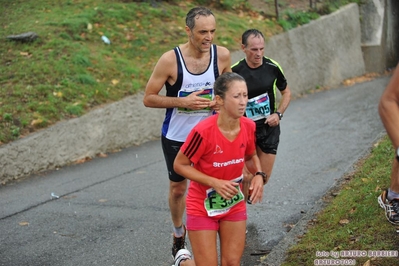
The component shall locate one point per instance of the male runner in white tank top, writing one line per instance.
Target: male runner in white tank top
(188, 72)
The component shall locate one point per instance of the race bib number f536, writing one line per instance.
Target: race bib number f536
(258, 107)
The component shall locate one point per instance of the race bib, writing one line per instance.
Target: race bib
(215, 204)
(258, 107)
(206, 93)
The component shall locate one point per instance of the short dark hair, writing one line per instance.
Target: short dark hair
(247, 33)
(223, 81)
(194, 12)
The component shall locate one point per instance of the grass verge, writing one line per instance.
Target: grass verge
(353, 220)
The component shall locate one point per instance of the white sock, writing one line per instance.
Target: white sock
(392, 195)
(178, 231)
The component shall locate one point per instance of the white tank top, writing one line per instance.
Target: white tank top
(179, 121)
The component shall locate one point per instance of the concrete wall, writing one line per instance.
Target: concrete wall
(118, 125)
(392, 33)
(379, 25)
(322, 53)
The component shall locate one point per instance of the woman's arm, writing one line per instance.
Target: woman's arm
(183, 166)
(256, 187)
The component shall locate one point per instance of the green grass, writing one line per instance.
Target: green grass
(68, 70)
(353, 219)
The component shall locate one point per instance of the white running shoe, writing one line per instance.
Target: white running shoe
(182, 255)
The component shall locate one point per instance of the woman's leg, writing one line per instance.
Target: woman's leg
(204, 245)
(232, 242)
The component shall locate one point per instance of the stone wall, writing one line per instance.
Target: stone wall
(322, 53)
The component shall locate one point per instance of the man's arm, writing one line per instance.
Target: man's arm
(388, 108)
(158, 78)
(285, 100)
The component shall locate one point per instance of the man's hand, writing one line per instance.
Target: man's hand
(273, 120)
(195, 102)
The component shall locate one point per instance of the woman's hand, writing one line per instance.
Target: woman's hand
(226, 189)
(256, 189)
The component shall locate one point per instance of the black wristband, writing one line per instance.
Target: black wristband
(264, 177)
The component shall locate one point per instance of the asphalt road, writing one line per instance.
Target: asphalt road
(113, 210)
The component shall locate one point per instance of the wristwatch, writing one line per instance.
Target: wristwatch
(397, 154)
(264, 177)
(280, 115)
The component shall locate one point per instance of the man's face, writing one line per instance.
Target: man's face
(254, 51)
(201, 36)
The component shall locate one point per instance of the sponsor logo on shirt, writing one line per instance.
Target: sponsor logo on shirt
(218, 149)
(198, 85)
(231, 162)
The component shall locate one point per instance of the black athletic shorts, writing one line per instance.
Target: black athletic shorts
(170, 149)
(267, 138)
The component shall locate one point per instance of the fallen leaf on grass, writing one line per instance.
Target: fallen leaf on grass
(344, 221)
(25, 54)
(57, 94)
(365, 180)
(36, 122)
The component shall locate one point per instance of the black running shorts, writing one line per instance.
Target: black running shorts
(170, 149)
(267, 138)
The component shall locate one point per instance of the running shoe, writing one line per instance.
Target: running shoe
(391, 207)
(179, 243)
(182, 255)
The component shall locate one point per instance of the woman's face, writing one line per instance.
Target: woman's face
(236, 98)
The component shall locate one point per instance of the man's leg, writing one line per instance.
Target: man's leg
(177, 201)
(267, 142)
(176, 198)
(389, 198)
(267, 162)
(395, 176)
(177, 205)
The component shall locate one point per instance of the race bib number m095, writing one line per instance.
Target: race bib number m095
(258, 107)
